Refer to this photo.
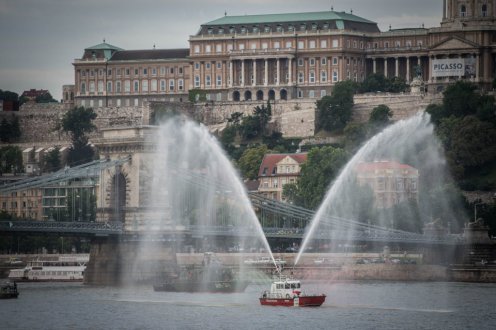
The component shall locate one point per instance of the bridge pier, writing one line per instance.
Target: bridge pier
(115, 261)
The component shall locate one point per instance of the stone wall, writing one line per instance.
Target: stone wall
(294, 118)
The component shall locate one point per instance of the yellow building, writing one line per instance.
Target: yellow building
(277, 170)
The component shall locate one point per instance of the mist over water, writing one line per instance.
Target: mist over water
(193, 185)
(411, 142)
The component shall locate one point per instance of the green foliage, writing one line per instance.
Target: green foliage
(404, 216)
(354, 135)
(81, 205)
(10, 159)
(379, 83)
(290, 193)
(228, 135)
(380, 115)
(320, 169)
(197, 95)
(45, 98)
(52, 160)
(460, 99)
(8, 96)
(250, 161)
(279, 144)
(235, 118)
(249, 127)
(334, 112)
(436, 111)
(78, 122)
(10, 130)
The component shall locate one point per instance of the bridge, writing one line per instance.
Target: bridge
(279, 220)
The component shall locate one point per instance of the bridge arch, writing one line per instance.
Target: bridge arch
(117, 202)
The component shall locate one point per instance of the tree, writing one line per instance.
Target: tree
(8, 96)
(263, 114)
(10, 159)
(290, 193)
(52, 160)
(5, 129)
(250, 160)
(354, 135)
(460, 99)
(320, 169)
(375, 82)
(45, 98)
(10, 131)
(397, 85)
(380, 115)
(334, 112)
(78, 122)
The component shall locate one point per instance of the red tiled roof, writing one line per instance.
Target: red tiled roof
(270, 161)
(382, 165)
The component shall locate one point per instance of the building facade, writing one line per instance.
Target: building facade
(277, 170)
(391, 182)
(290, 56)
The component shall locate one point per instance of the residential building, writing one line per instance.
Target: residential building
(277, 170)
(391, 182)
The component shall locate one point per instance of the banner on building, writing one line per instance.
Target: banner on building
(453, 67)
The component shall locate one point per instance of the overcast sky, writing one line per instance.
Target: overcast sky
(39, 39)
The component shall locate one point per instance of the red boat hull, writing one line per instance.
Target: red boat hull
(302, 301)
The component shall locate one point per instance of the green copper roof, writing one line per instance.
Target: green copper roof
(295, 17)
(104, 46)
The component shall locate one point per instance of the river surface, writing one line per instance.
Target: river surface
(349, 305)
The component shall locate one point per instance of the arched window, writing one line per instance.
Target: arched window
(236, 96)
(463, 11)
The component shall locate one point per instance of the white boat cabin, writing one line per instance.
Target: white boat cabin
(284, 288)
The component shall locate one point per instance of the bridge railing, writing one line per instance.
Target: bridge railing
(108, 228)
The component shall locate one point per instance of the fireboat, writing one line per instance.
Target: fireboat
(286, 291)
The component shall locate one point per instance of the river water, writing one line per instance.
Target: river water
(349, 305)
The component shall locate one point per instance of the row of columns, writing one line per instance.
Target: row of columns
(254, 68)
(396, 66)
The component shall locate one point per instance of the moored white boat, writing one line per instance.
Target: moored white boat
(286, 291)
(65, 269)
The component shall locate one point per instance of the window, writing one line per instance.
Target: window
(241, 46)
(136, 102)
(153, 85)
(348, 44)
(197, 81)
(136, 72)
(118, 72)
(312, 61)
(253, 45)
(197, 66)
(117, 86)
(311, 93)
(289, 44)
(303, 27)
(118, 102)
(323, 93)
(300, 62)
(207, 65)
(335, 43)
(312, 77)
(323, 43)
(376, 45)
(334, 61)
(355, 44)
(180, 70)
(267, 28)
(180, 84)
(386, 44)
(109, 86)
(92, 73)
(300, 77)
(265, 45)
(83, 88)
(219, 80)
(419, 43)
(323, 60)
(408, 43)
(279, 28)
(277, 45)
(171, 70)
(127, 72)
(136, 86)
(219, 65)
(154, 71)
(300, 93)
(301, 45)
(334, 76)
(361, 44)
(208, 80)
(109, 72)
(92, 86)
(100, 86)
(196, 49)
(311, 44)
(171, 84)
(218, 97)
(290, 28)
(83, 73)
(144, 85)
(323, 76)
(162, 85)
(397, 44)
(463, 11)
(218, 48)
(484, 10)
(162, 71)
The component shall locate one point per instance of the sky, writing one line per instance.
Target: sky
(39, 39)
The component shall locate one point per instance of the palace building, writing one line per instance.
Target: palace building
(290, 56)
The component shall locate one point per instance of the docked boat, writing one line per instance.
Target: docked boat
(65, 269)
(211, 276)
(8, 290)
(286, 291)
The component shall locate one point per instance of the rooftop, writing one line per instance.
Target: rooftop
(383, 165)
(291, 17)
(270, 161)
(150, 54)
